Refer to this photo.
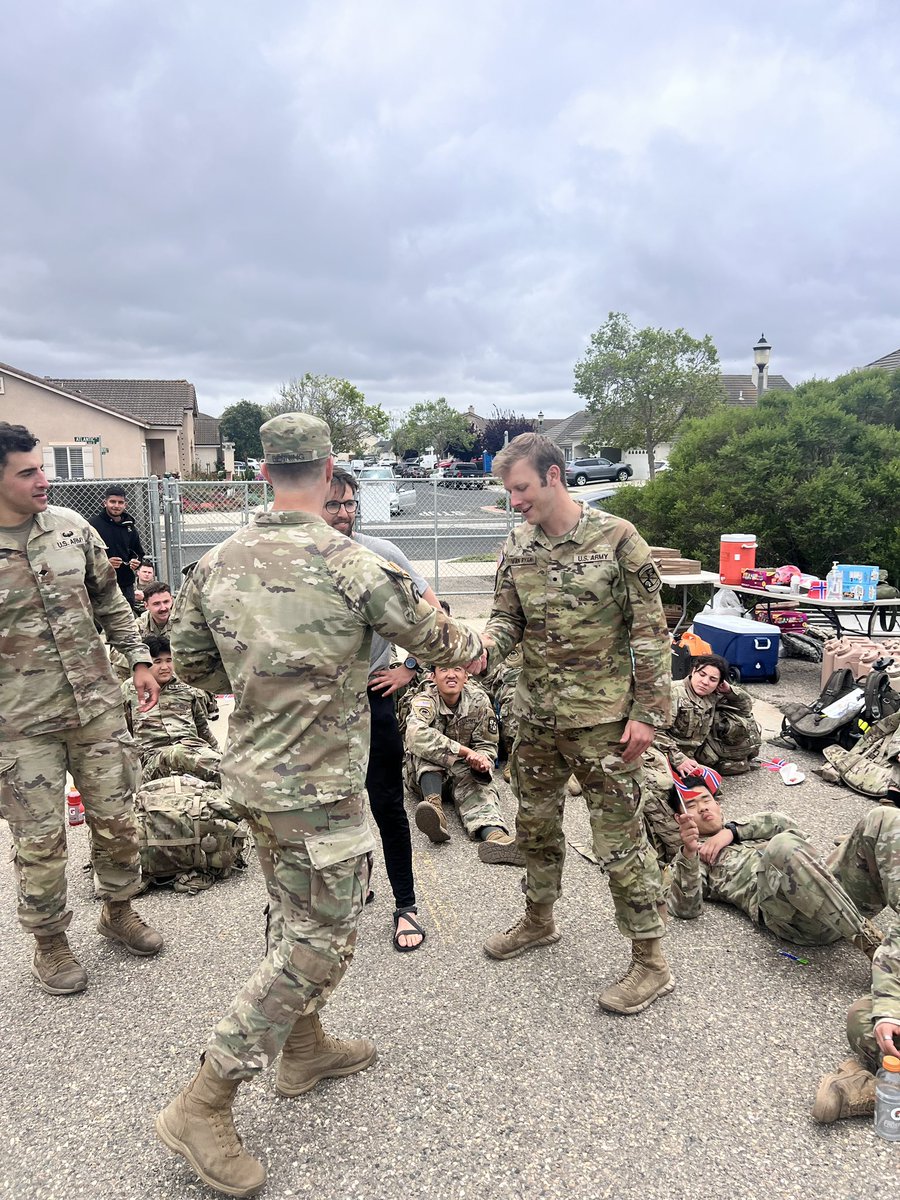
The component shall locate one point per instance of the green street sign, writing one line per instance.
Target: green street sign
(89, 441)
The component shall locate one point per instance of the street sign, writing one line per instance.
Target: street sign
(89, 441)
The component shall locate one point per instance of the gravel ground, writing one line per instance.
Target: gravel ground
(499, 1080)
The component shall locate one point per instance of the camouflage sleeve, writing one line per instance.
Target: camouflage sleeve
(390, 603)
(764, 825)
(651, 646)
(886, 976)
(423, 740)
(129, 695)
(506, 624)
(664, 742)
(111, 610)
(736, 701)
(201, 720)
(685, 899)
(194, 649)
(486, 734)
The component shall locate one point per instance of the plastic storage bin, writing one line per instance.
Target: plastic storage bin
(751, 647)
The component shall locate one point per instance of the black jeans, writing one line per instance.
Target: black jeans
(384, 783)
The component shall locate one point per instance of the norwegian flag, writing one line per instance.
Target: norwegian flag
(773, 764)
(711, 778)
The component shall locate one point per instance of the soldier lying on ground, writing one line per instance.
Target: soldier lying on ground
(451, 744)
(174, 737)
(712, 722)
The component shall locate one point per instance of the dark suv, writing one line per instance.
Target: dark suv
(464, 475)
(589, 470)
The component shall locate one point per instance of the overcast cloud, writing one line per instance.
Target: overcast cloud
(443, 198)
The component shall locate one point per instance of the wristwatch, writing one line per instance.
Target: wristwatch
(410, 663)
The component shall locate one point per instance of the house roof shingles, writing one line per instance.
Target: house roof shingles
(740, 390)
(156, 401)
(206, 430)
(890, 362)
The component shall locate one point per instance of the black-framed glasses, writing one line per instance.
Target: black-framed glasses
(335, 506)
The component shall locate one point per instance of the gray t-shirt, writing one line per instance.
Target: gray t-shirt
(381, 648)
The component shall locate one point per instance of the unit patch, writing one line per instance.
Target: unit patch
(649, 579)
(424, 708)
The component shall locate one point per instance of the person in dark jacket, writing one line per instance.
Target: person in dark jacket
(123, 542)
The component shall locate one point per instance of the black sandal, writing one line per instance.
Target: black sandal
(407, 914)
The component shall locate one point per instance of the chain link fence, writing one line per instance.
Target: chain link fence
(451, 530)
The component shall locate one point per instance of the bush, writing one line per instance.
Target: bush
(815, 474)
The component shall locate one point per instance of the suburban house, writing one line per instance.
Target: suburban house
(96, 428)
(207, 443)
(738, 391)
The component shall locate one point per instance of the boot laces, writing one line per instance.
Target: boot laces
(128, 920)
(57, 954)
(226, 1135)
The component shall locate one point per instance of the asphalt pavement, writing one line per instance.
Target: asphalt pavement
(494, 1080)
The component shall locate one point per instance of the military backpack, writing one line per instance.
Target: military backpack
(189, 835)
(812, 727)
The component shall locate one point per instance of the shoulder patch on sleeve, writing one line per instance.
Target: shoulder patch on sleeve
(424, 709)
(649, 579)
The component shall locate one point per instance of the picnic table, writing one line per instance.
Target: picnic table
(685, 581)
(884, 613)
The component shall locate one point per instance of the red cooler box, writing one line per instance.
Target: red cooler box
(751, 647)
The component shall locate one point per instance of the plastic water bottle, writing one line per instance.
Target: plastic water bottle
(75, 807)
(834, 584)
(887, 1099)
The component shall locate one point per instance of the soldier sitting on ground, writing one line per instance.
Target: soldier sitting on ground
(451, 744)
(766, 866)
(712, 722)
(174, 737)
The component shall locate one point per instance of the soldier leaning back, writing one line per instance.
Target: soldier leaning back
(60, 710)
(578, 588)
(282, 614)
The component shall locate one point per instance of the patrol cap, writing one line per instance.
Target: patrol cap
(295, 438)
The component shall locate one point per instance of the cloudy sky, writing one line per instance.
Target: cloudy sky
(443, 198)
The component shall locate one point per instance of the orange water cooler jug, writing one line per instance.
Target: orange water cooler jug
(737, 553)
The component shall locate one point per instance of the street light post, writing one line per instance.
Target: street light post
(541, 422)
(761, 354)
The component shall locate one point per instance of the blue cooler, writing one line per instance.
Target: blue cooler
(749, 646)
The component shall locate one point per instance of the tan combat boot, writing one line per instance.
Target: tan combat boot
(120, 923)
(198, 1126)
(535, 928)
(431, 820)
(849, 1092)
(507, 774)
(868, 939)
(573, 786)
(310, 1055)
(646, 979)
(55, 967)
(499, 847)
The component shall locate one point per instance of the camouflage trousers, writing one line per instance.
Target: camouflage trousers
(800, 899)
(868, 865)
(478, 804)
(542, 760)
(103, 762)
(182, 758)
(316, 863)
(509, 721)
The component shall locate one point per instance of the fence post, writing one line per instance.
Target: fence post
(172, 523)
(437, 544)
(157, 548)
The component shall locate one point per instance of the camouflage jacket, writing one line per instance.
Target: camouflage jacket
(692, 718)
(732, 877)
(281, 614)
(435, 732)
(886, 975)
(54, 669)
(179, 716)
(146, 625)
(587, 611)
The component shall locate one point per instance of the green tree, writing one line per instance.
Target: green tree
(640, 384)
(240, 423)
(803, 471)
(433, 423)
(338, 402)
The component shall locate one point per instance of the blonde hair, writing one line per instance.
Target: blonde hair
(534, 448)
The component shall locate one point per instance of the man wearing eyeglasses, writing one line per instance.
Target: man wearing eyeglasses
(384, 779)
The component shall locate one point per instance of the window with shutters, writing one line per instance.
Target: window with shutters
(69, 462)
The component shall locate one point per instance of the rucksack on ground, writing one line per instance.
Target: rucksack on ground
(811, 727)
(189, 835)
(867, 767)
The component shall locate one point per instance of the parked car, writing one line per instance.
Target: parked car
(589, 470)
(661, 464)
(464, 475)
(401, 499)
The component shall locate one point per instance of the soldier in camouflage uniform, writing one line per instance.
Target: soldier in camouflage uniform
(579, 590)
(712, 721)
(174, 737)
(61, 710)
(282, 614)
(451, 744)
(157, 610)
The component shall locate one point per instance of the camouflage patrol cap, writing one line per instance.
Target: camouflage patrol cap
(295, 438)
